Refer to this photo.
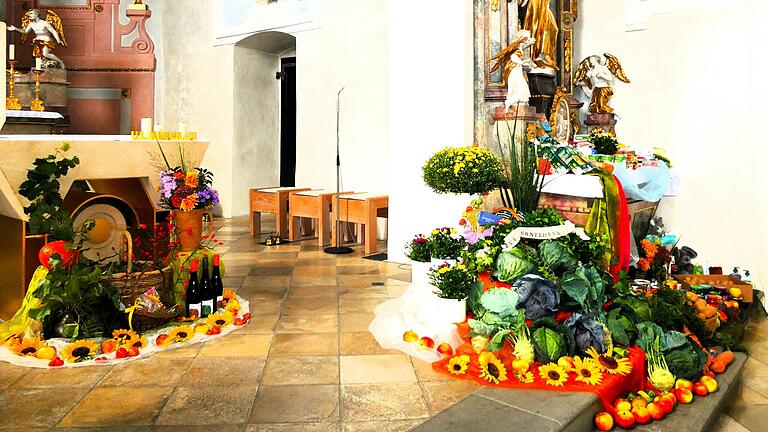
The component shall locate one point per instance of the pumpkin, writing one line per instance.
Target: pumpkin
(68, 257)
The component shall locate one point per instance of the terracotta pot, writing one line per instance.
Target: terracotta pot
(189, 228)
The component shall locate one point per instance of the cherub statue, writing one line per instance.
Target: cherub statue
(511, 61)
(48, 33)
(595, 76)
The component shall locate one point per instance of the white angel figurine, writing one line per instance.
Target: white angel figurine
(511, 60)
(595, 76)
(48, 33)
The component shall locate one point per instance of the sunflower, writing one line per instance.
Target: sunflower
(553, 374)
(491, 368)
(232, 306)
(524, 377)
(229, 295)
(27, 347)
(220, 319)
(80, 351)
(139, 342)
(621, 366)
(122, 336)
(587, 370)
(458, 365)
(181, 334)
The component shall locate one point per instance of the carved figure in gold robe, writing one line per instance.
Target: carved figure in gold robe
(48, 34)
(595, 76)
(541, 22)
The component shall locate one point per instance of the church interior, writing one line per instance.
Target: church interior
(305, 215)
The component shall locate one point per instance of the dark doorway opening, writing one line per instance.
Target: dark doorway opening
(288, 121)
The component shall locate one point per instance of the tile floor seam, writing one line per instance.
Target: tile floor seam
(175, 388)
(519, 408)
(92, 387)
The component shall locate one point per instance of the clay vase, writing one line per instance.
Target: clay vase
(189, 228)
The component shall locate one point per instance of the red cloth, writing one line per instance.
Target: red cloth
(621, 240)
(611, 388)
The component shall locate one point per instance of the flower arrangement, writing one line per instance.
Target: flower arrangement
(453, 282)
(654, 261)
(463, 170)
(418, 249)
(445, 243)
(187, 189)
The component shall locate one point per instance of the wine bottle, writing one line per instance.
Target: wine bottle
(193, 297)
(206, 290)
(217, 283)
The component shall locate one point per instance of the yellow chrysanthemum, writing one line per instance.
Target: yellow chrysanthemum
(524, 377)
(587, 371)
(491, 368)
(621, 366)
(220, 319)
(122, 336)
(232, 305)
(553, 374)
(138, 342)
(27, 347)
(458, 365)
(79, 351)
(181, 334)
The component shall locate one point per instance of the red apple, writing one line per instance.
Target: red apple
(121, 353)
(642, 416)
(684, 396)
(625, 419)
(162, 340)
(108, 346)
(426, 342)
(656, 412)
(238, 322)
(639, 402)
(700, 389)
(683, 384)
(56, 362)
(671, 397)
(133, 352)
(410, 336)
(445, 349)
(603, 421)
(68, 257)
(665, 403)
(622, 405)
(710, 383)
(566, 363)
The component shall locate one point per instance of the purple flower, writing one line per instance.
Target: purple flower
(473, 237)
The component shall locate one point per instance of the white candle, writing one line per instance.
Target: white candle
(11, 52)
(146, 126)
(38, 63)
(183, 128)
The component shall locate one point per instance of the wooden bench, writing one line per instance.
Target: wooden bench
(361, 209)
(271, 200)
(311, 204)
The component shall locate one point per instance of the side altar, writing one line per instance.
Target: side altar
(116, 183)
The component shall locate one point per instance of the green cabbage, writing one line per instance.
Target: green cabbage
(512, 265)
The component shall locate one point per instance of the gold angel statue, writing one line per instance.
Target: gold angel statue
(48, 33)
(595, 76)
(541, 23)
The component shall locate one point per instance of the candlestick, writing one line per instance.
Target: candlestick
(37, 103)
(12, 102)
(11, 52)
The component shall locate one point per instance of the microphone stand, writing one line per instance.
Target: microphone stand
(338, 249)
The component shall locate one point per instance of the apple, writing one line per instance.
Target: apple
(162, 340)
(700, 389)
(670, 395)
(121, 353)
(410, 336)
(426, 342)
(683, 384)
(684, 396)
(622, 405)
(133, 352)
(665, 403)
(216, 330)
(46, 353)
(108, 346)
(639, 402)
(603, 421)
(708, 381)
(201, 328)
(247, 317)
(566, 363)
(445, 349)
(624, 419)
(642, 416)
(239, 322)
(657, 413)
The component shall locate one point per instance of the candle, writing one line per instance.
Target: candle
(11, 52)
(146, 126)
(38, 63)
(183, 129)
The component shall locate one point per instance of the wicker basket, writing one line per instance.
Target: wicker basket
(131, 285)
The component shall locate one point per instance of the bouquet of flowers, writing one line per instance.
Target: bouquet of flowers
(418, 249)
(654, 261)
(453, 282)
(187, 189)
(445, 243)
(470, 170)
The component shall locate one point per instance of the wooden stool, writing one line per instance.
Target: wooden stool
(311, 204)
(362, 209)
(271, 200)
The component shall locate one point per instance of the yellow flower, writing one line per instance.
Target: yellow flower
(191, 179)
(27, 347)
(189, 202)
(524, 377)
(229, 295)
(138, 342)
(232, 305)
(122, 336)
(79, 351)
(181, 334)
(491, 368)
(587, 371)
(220, 319)
(458, 365)
(553, 374)
(608, 363)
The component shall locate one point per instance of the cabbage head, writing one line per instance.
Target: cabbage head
(537, 296)
(587, 332)
(512, 265)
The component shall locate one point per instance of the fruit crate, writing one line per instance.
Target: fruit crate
(725, 281)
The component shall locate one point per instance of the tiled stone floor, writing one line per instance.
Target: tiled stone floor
(305, 362)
